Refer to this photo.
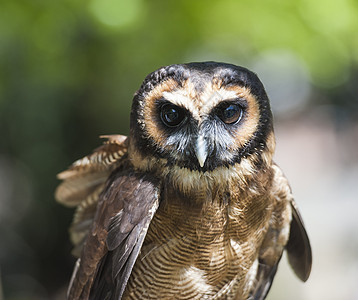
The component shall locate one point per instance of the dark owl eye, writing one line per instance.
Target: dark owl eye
(231, 113)
(172, 115)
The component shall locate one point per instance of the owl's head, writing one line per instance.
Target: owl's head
(200, 117)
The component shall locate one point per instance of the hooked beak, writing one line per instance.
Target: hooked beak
(201, 150)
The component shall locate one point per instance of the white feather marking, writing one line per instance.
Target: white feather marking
(182, 99)
(236, 247)
(251, 276)
(194, 279)
(211, 98)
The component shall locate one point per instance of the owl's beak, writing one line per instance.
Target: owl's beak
(201, 150)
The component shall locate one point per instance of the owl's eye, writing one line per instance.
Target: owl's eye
(172, 115)
(231, 113)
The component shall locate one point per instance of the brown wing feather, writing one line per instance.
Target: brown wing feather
(298, 247)
(86, 174)
(124, 212)
(84, 180)
(285, 216)
(82, 220)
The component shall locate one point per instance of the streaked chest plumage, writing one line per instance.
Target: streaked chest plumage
(202, 248)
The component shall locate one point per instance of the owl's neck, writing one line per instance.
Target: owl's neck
(202, 185)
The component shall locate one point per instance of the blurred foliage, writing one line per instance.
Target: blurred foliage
(68, 70)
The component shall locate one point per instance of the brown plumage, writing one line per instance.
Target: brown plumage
(190, 205)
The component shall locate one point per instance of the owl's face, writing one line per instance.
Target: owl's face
(200, 117)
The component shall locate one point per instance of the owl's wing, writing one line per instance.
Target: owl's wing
(286, 225)
(125, 210)
(298, 247)
(84, 180)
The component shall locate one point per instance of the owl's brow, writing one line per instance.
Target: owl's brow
(180, 98)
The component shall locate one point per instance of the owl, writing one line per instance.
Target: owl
(190, 205)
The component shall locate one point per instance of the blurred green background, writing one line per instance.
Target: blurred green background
(68, 70)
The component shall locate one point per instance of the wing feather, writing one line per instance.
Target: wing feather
(86, 174)
(126, 207)
(286, 231)
(83, 182)
(265, 276)
(298, 247)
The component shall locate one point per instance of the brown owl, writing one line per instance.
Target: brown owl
(190, 205)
